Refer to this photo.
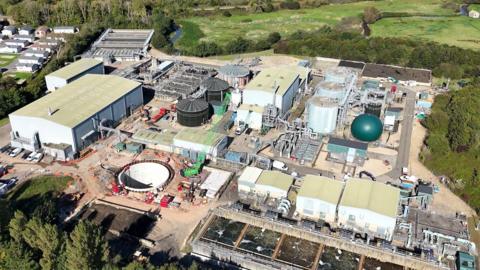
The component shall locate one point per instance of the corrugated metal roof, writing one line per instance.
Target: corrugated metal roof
(374, 196)
(275, 179)
(75, 68)
(154, 137)
(79, 100)
(234, 71)
(214, 84)
(192, 105)
(273, 80)
(199, 136)
(322, 188)
(250, 174)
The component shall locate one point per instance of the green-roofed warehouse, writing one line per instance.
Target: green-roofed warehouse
(275, 184)
(318, 197)
(66, 121)
(369, 207)
(191, 141)
(73, 71)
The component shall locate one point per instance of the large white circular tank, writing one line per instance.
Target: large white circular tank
(144, 176)
(321, 115)
(330, 90)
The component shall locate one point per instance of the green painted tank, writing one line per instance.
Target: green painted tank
(366, 127)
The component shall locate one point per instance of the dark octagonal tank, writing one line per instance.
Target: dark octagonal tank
(192, 112)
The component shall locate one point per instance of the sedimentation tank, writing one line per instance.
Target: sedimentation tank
(322, 115)
(331, 90)
(192, 112)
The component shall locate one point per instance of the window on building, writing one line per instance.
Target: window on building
(351, 217)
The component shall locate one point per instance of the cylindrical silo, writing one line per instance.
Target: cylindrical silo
(321, 115)
(192, 112)
(235, 75)
(215, 89)
(330, 90)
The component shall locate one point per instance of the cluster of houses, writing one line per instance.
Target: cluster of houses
(36, 45)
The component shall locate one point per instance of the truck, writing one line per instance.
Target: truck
(161, 113)
(242, 126)
(281, 166)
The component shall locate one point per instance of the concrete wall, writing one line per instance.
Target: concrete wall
(366, 220)
(285, 102)
(313, 208)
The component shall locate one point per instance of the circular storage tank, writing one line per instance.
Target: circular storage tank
(322, 115)
(215, 89)
(145, 176)
(330, 90)
(366, 127)
(235, 75)
(192, 112)
(373, 108)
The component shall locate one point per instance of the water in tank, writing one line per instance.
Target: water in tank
(322, 115)
(330, 90)
(373, 108)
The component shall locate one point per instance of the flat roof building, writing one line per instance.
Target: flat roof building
(273, 184)
(191, 141)
(369, 207)
(342, 150)
(318, 197)
(70, 117)
(72, 72)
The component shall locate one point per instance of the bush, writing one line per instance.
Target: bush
(227, 13)
(246, 20)
(274, 37)
(290, 5)
(239, 45)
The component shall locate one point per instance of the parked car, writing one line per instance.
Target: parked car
(37, 157)
(7, 184)
(31, 156)
(5, 148)
(248, 131)
(15, 152)
(281, 166)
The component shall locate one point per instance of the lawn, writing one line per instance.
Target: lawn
(4, 121)
(22, 75)
(458, 31)
(7, 58)
(254, 26)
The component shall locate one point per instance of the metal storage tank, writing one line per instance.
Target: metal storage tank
(235, 75)
(192, 112)
(322, 115)
(330, 90)
(374, 108)
(337, 75)
(366, 127)
(214, 88)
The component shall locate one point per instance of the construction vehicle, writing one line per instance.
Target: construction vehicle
(196, 167)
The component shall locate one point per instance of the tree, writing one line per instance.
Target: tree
(204, 49)
(17, 226)
(371, 14)
(17, 256)
(86, 247)
(239, 45)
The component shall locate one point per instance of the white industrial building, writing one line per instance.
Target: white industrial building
(273, 184)
(369, 207)
(318, 198)
(68, 120)
(321, 114)
(246, 181)
(251, 115)
(72, 72)
(276, 86)
(191, 141)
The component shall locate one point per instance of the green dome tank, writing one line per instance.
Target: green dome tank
(366, 127)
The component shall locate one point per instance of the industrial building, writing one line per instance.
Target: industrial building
(318, 198)
(73, 71)
(369, 207)
(189, 142)
(246, 181)
(250, 115)
(341, 150)
(273, 184)
(277, 86)
(122, 44)
(236, 75)
(68, 120)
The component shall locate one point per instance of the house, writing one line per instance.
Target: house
(318, 197)
(474, 14)
(10, 49)
(342, 150)
(50, 42)
(14, 42)
(9, 30)
(26, 30)
(369, 207)
(42, 31)
(57, 37)
(31, 52)
(65, 30)
(27, 67)
(29, 38)
(46, 48)
(31, 60)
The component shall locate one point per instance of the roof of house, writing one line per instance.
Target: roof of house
(75, 68)
(322, 188)
(348, 143)
(79, 100)
(275, 179)
(371, 195)
(26, 28)
(273, 80)
(199, 136)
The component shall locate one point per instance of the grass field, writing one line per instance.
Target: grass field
(458, 31)
(22, 75)
(4, 121)
(7, 58)
(221, 29)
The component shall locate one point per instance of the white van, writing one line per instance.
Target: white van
(281, 166)
(15, 152)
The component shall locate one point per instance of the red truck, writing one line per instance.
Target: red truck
(166, 200)
(159, 115)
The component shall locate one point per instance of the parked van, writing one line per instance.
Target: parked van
(281, 166)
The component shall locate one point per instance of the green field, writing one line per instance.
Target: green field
(4, 121)
(7, 58)
(22, 75)
(458, 31)
(254, 26)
